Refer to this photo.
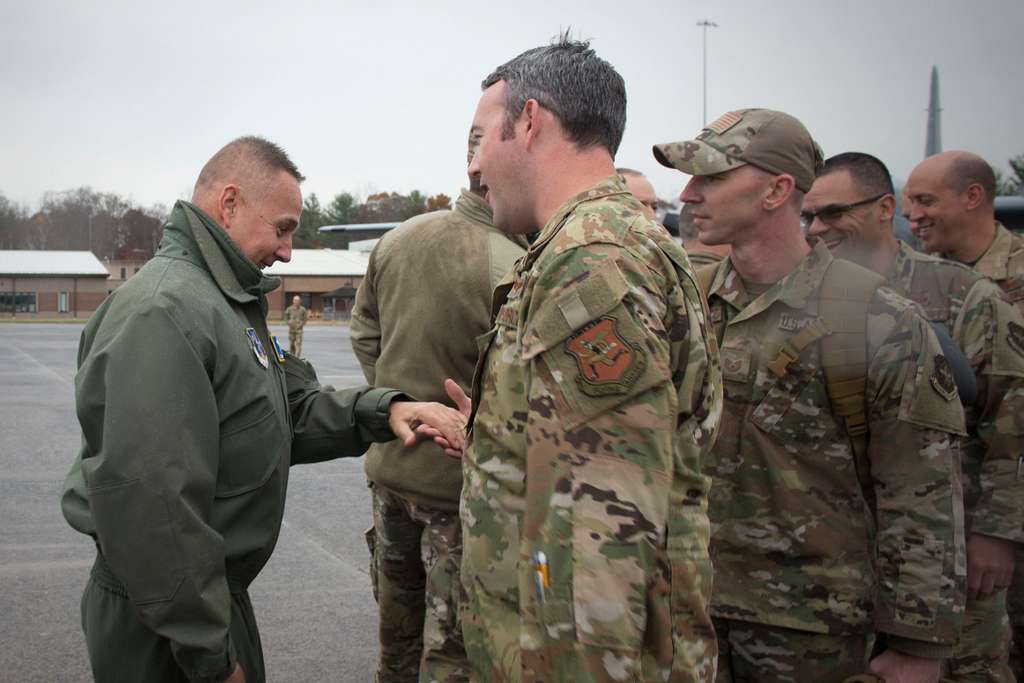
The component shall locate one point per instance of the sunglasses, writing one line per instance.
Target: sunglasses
(832, 212)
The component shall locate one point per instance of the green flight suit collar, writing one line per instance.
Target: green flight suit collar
(793, 290)
(994, 263)
(235, 274)
(611, 185)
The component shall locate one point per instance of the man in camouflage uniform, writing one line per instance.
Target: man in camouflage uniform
(595, 398)
(296, 316)
(850, 208)
(817, 551)
(951, 211)
(414, 324)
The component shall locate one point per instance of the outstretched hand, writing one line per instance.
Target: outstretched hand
(464, 405)
(409, 419)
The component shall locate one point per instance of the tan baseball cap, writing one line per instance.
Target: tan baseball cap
(771, 140)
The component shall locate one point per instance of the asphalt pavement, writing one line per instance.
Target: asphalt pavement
(313, 602)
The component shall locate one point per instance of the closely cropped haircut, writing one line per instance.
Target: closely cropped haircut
(868, 172)
(969, 169)
(248, 159)
(584, 92)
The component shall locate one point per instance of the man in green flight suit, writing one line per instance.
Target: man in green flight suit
(191, 415)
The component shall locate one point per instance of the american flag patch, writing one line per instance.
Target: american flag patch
(724, 122)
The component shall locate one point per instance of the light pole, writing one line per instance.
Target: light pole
(704, 24)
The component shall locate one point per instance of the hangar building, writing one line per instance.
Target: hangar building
(51, 284)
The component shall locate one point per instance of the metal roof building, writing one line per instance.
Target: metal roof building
(51, 284)
(40, 263)
(324, 279)
(321, 262)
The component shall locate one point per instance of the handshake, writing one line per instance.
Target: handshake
(411, 420)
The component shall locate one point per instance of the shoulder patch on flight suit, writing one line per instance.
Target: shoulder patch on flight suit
(257, 347)
(942, 379)
(1015, 336)
(608, 362)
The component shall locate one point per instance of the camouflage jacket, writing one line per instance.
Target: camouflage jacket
(584, 509)
(794, 541)
(1004, 263)
(990, 331)
(296, 317)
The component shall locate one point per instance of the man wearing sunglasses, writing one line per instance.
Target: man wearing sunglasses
(826, 538)
(981, 321)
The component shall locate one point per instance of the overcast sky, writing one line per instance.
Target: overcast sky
(133, 97)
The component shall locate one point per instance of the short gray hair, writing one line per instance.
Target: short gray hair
(249, 157)
(584, 92)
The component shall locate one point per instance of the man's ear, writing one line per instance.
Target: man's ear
(886, 208)
(780, 190)
(534, 120)
(975, 196)
(228, 204)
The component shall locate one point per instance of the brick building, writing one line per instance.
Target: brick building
(325, 279)
(51, 284)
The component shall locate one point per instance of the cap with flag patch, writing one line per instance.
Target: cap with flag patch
(770, 140)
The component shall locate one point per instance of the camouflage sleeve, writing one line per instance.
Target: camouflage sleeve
(990, 329)
(364, 330)
(615, 518)
(915, 422)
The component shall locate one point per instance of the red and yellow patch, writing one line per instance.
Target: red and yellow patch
(607, 361)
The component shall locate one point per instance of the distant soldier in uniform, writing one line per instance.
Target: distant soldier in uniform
(296, 316)
(851, 207)
(415, 322)
(597, 394)
(951, 211)
(641, 188)
(191, 415)
(835, 503)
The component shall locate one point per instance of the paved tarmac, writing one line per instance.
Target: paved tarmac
(316, 613)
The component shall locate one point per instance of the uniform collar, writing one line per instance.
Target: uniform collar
(902, 266)
(794, 290)
(235, 274)
(474, 208)
(994, 263)
(612, 185)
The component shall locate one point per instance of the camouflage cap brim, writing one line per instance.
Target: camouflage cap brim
(695, 157)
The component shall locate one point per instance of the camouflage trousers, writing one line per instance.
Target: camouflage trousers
(759, 653)
(415, 556)
(1015, 609)
(980, 655)
(295, 342)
